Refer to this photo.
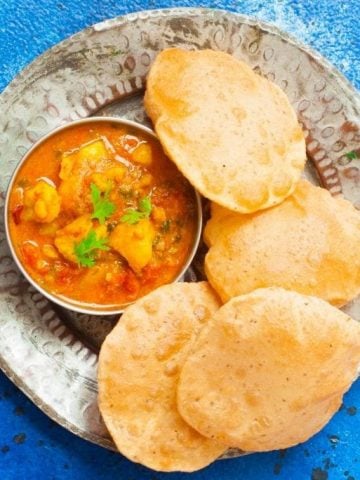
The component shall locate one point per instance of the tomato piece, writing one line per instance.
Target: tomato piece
(150, 273)
(64, 272)
(16, 214)
(42, 266)
(34, 258)
(115, 280)
(131, 284)
(31, 254)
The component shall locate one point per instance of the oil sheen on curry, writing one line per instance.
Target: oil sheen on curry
(99, 215)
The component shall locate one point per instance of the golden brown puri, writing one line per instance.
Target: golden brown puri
(269, 370)
(231, 132)
(139, 366)
(310, 243)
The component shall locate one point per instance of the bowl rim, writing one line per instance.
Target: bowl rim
(64, 301)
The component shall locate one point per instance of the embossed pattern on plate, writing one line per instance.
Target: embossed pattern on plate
(51, 354)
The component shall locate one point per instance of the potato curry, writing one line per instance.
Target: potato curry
(98, 214)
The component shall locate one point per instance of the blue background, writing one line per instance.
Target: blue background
(31, 445)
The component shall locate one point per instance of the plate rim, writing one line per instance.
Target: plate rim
(351, 92)
(190, 11)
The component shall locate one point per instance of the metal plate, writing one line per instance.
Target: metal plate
(51, 353)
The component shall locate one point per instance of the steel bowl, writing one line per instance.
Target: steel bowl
(63, 301)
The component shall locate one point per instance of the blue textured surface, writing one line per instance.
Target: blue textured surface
(31, 445)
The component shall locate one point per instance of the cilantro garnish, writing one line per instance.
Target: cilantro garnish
(165, 226)
(133, 216)
(145, 206)
(351, 155)
(86, 250)
(103, 208)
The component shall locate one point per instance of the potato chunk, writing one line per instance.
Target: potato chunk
(89, 154)
(41, 203)
(70, 235)
(75, 167)
(105, 180)
(142, 154)
(134, 242)
(158, 214)
(93, 150)
(73, 233)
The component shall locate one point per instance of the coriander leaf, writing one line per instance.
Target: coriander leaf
(133, 216)
(165, 226)
(86, 250)
(107, 209)
(103, 208)
(86, 261)
(351, 155)
(95, 193)
(145, 205)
